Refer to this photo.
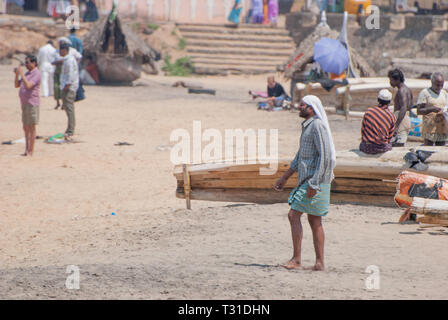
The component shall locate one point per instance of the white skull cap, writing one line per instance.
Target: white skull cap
(385, 95)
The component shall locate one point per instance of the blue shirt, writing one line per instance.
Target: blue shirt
(76, 43)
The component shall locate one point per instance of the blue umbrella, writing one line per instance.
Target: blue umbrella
(331, 55)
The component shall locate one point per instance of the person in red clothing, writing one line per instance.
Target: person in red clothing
(90, 75)
(378, 126)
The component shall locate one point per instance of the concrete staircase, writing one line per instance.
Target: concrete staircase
(248, 49)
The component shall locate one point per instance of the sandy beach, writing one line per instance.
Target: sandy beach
(56, 209)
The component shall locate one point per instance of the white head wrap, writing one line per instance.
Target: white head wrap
(319, 110)
(65, 40)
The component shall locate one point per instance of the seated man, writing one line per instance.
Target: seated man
(432, 103)
(89, 75)
(378, 125)
(276, 93)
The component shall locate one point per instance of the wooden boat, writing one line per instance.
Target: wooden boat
(359, 179)
(363, 92)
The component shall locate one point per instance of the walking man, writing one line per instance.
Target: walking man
(29, 94)
(69, 85)
(314, 163)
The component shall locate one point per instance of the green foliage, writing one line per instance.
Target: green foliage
(182, 43)
(153, 26)
(183, 67)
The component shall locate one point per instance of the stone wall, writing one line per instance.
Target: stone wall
(399, 36)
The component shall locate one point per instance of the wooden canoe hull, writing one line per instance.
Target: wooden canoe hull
(118, 68)
(359, 179)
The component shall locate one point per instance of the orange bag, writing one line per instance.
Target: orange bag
(413, 184)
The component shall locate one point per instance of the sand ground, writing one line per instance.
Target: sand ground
(56, 210)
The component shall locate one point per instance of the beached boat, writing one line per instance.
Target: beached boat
(362, 92)
(359, 178)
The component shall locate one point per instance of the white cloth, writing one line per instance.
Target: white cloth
(45, 58)
(3, 6)
(69, 73)
(71, 52)
(47, 83)
(65, 40)
(322, 115)
(60, 6)
(86, 78)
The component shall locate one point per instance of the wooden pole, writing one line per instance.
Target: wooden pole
(346, 102)
(187, 187)
(271, 196)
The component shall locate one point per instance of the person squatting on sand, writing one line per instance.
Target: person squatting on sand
(378, 126)
(314, 163)
(29, 94)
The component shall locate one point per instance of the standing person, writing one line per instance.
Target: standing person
(75, 41)
(431, 103)
(91, 13)
(273, 11)
(314, 163)
(29, 93)
(378, 126)
(57, 61)
(44, 59)
(69, 86)
(257, 11)
(265, 12)
(77, 44)
(402, 103)
(234, 15)
(3, 6)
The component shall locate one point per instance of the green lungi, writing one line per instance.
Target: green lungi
(316, 206)
(57, 82)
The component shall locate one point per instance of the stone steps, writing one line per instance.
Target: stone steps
(224, 57)
(239, 51)
(234, 31)
(238, 38)
(264, 64)
(248, 49)
(239, 45)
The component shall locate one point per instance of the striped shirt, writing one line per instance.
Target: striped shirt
(378, 125)
(313, 160)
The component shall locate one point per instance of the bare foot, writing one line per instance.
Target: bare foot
(316, 267)
(24, 154)
(292, 264)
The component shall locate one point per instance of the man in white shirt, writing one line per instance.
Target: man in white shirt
(69, 86)
(57, 61)
(44, 59)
